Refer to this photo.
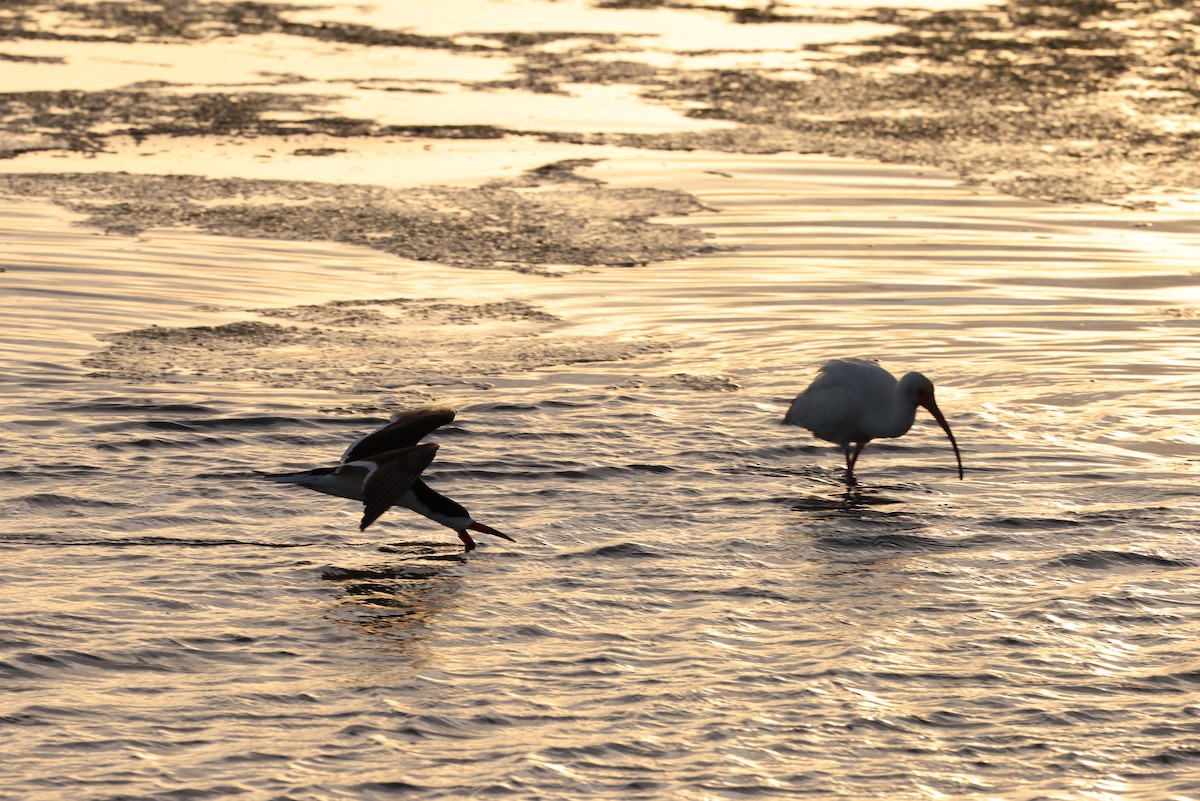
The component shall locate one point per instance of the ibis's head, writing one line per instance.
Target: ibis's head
(918, 390)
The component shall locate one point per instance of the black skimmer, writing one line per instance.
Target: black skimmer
(382, 469)
(853, 401)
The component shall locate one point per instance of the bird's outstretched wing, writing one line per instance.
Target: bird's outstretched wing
(405, 429)
(389, 475)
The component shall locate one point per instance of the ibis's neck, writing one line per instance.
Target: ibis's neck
(895, 420)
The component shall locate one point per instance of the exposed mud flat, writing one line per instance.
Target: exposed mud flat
(126, 21)
(1060, 100)
(364, 347)
(566, 223)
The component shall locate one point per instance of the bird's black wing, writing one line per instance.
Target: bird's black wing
(405, 429)
(390, 475)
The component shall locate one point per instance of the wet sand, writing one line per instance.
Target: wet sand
(619, 240)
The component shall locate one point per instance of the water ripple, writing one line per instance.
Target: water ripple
(1107, 560)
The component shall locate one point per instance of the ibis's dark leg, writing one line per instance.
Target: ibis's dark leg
(851, 460)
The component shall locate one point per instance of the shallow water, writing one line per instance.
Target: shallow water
(695, 607)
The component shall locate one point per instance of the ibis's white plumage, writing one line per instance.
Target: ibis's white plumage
(853, 401)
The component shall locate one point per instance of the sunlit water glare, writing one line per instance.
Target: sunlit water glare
(696, 607)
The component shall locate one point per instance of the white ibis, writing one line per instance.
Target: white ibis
(382, 469)
(853, 401)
